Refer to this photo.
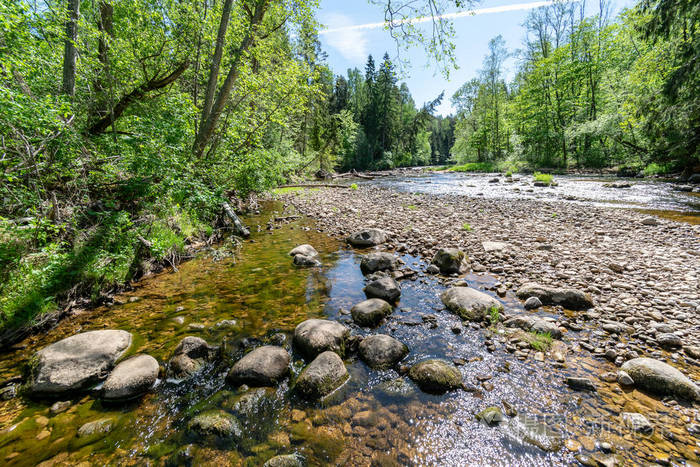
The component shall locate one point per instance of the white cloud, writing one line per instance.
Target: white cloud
(346, 29)
(347, 39)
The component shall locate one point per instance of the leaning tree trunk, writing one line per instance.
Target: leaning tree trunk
(70, 53)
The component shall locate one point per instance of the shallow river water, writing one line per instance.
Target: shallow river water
(375, 418)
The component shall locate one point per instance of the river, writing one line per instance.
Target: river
(376, 418)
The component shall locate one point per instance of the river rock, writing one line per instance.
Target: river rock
(189, 357)
(306, 261)
(469, 303)
(264, 366)
(528, 429)
(131, 378)
(568, 298)
(370, 312)
(435, 376)
(491, 416)
(367, 237)
(76, 363)
(304, 250)
(374, 262)
(660, 378)
(385, 288)
(532, 303)
(580, 384)
(322, 376)
(314, 336)
(490, 247)
(285, 460)
(215, 423)
(637, 422)
(668, 340)
(451, 261)
(535, 324)
(693, 351)
(650, 221)
(381, 351)
(397, 388)
(101, 426)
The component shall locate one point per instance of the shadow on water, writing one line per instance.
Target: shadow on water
(377, 416)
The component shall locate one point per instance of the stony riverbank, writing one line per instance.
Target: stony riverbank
(641, 271)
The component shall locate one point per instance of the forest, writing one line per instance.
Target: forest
(126, 125)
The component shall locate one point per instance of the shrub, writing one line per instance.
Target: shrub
(544, 178)
(474, 167)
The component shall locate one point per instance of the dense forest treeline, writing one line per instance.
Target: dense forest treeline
(589, 91)
(125, 126)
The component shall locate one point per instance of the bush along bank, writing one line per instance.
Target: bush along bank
(79, 257)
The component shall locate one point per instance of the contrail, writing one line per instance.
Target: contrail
(461, 14)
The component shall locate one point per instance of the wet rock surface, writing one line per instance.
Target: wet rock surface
(374, 262)
(367, 237)
(384, 288)
(469, 303)
(77, 362)
(660, 378)
(370, 312)
(264, 366)
(131, 378)
(451, 261)
(436, 376)
(191, 354)
(314, 336)
(381, 351)
(322, 376)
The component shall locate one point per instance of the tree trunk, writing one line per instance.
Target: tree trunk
(70, 53)
(216, 62)
(209, 122)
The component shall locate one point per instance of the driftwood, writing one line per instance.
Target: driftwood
(353, 173)
(239, 228)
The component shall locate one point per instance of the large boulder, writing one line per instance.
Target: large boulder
(322, 376)
(189, 357)
(370, 312)
(660, 378)
(435, 376)
(568, 298)
(385, 288)
(131, 378)
(76, 363)
(314, 336)
(451, 261)
(469, 303)
(264, 366)
(305, 250)
(381, 351)
(367, 237)
(374, 262)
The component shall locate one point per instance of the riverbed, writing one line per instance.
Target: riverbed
(379, 417)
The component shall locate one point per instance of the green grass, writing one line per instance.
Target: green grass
(494, 315)
(544, 178)
(509, 173)
(540, 341)
(437, 168)
(353, 186)
(412, 207)
(474, 167)
(466, 227)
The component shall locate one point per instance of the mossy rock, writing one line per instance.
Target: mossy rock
(436, 376)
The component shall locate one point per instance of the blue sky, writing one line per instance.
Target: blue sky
(348, 48)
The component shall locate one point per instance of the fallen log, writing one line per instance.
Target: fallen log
(238, 227)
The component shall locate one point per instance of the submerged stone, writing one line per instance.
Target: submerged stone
(215, 423)
(491, 416)
(189, 357)
(381, 351)
(436, 376)
(285, 460)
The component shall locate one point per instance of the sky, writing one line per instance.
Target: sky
(352, 30)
